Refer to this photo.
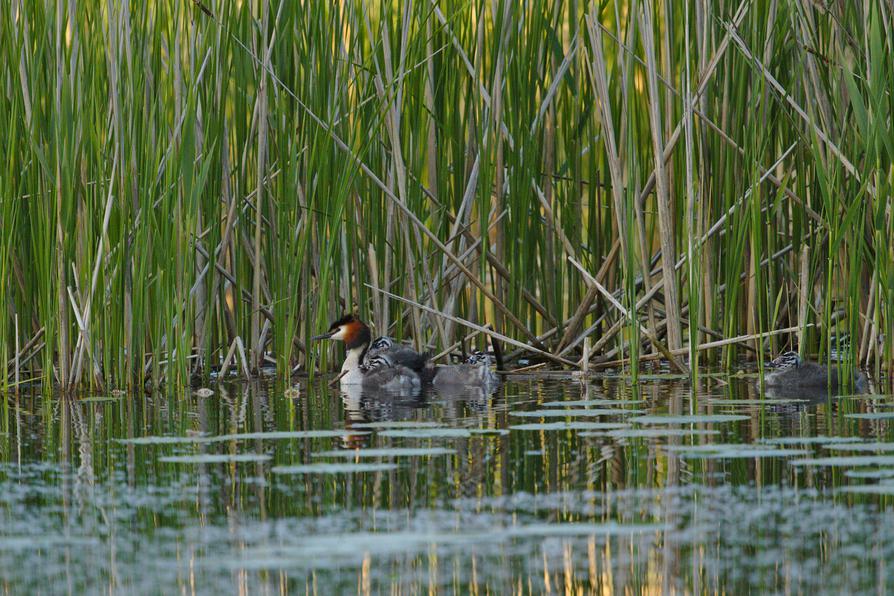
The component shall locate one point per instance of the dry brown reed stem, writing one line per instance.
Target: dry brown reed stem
(453, 346)
(690, 190)
(574, 323)
(600, 87)
(870, 329)
(31, 343)
(84, 339)
(496, 126)
(337, 378)
(257, 349)
(16, 358)
(803, 293)
(665, 218)
(525, 369)
(648, 333)
(701, 347)
(585, 357)
(85, 333)
(618, 325)
(478, 328)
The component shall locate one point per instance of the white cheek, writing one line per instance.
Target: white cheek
(340, 334)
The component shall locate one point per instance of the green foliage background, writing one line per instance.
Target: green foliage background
(180, 181)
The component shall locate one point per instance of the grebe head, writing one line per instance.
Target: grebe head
(786, 360)
(348, 329)
(382, 343)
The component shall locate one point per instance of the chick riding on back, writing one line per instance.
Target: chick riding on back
(386, 362)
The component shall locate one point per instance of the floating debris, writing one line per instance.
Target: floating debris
(860, 446)
(692, 419)
(573, 413)
(333, 468)
(427, 433)
(855, 460)
(872, 416)
(877, 473)
(385, 452)
(593, 402)
(581, 529)
(100, 398)
(163, 440)
(868, 489)
(651, 433)
(769, 401)
(807, 440)
(288, 434)
(396, 424)
(570, 426)
(273, 435)
(731, 451)
(212, 458)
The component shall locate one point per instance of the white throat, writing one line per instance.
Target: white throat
(351, 367)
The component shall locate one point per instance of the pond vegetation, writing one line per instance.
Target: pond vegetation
(191, 187)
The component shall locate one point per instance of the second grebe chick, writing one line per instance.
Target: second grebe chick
(474, 372)
(790, 370)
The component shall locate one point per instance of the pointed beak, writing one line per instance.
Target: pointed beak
(323, 336)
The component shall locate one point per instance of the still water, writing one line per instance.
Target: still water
(545, 486)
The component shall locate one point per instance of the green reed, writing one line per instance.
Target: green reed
(191, 184)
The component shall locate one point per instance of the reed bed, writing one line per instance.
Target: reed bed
(196, 186)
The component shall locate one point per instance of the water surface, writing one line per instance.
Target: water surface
(543, 486)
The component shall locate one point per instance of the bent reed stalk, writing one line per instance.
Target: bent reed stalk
(196, 186)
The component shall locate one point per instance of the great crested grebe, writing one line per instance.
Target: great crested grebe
(474, 372)
(357, 337)
(790, 370)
